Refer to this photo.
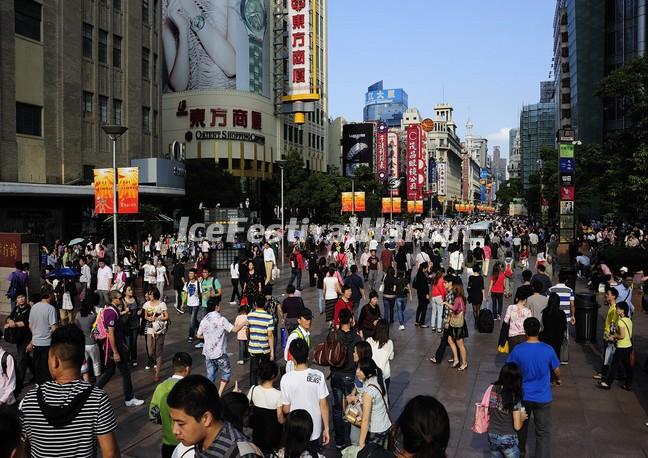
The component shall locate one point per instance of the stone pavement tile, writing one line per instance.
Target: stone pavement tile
(624, 439)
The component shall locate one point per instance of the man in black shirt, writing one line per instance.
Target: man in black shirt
(478, 254)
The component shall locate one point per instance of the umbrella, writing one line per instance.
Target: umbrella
(64, 272)
(76, 241)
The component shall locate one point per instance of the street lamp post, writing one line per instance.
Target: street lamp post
(282, 163)
(114, 132)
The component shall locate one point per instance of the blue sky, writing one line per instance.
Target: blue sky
(488, 57)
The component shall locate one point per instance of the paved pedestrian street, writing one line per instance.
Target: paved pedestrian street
(587, 421)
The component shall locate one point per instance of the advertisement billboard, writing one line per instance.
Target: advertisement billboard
(300, 48)
(392, 155)
(103, 190)
(442, 188)
(217, 44)
(381, 151)
(413, 153)
(387, 206)
(349, 201)
(10, 249)
(386, 96)
(357, 146)
(128, 190)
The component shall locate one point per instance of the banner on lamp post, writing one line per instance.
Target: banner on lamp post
(381, 151)
(413, 145)
(128, 189)
(387, 205)
(104, 180)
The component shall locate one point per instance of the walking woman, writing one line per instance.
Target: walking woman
(438, 294)
(252, 287)
(331, 290)
(382, 350)
(403, 294)
(515, 316)
(266, 409)
(422, 287)
(162, 277)
(234, 274)
(496, 288)
(458, 330)
(132, 322)
(476, 293)
(554, 324)
(157, 317)
(322, 270)
(506, 413)
(369, 316)
(623, 338)
(375, 408)
(85, 322)
(389, 294)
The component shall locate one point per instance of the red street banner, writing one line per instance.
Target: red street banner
(10, 249)
(128, 189)
(421, 169)
(392, 158)
(387, 205)
(413, 152)
(103, 190)
(381, 155)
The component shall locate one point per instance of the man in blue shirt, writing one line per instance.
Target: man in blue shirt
(536, 360)
(357, 288)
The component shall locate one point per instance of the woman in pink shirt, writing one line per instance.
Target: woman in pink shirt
(438, 294)
(496, 288)
(457, 329)
(515, 316)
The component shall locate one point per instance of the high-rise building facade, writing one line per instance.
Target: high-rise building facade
(579, 51)
(515, 158)
(387, 105)
(66, 69)
(537, 123)
(444, 144)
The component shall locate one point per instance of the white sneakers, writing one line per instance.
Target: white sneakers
(134, 402)
(199, 345)
(401, 328)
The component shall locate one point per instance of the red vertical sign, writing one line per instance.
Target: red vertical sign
(421, 169)
(413, 153)
(381, 155)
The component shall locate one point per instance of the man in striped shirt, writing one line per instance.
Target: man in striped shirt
(566, 295)
(68, 417)
(261, 341)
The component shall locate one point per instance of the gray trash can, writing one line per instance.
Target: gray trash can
(586, 317)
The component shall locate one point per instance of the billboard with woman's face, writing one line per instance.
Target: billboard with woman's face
(216, 44)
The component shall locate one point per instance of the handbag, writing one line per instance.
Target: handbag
(353, 414)
(67, 301)
(381, 288)
(482, 417)
(503, 348)
(456, 320)
(332, 352)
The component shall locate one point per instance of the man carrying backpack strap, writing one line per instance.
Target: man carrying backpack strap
(116, 349)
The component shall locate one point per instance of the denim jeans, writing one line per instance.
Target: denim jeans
(437, 312)
(506, 445)
(421, 309)
(131, 341)
(388, 305)
(295, 274)
(498, 303)
(401, 304)
(214, 365)
(255, 361)
(340, 387)
(541, 413)
(195, 321)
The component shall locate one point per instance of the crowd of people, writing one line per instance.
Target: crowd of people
(79, 328)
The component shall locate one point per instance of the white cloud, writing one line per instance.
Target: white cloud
(499, 138)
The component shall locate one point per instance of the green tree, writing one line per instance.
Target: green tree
(509, 190)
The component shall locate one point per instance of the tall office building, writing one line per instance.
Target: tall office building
(537, 122)
(515, 158)
(66, 69)
(578, 66)
(387, 105)
(512, 134)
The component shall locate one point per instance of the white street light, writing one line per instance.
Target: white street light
(114, 132)
(282, 163)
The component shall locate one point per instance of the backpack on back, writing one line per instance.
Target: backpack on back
(485, 321)
(99, 331)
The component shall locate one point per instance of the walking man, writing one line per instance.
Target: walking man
(261, 342)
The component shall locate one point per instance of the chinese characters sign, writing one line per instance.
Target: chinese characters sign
(103, 190)
(381, 151)
(219, 117)
(128, 189)
(412, 158)
(10, 249)
(441, 173)
(299, 47)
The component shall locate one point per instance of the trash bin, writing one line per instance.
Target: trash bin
(586, 317)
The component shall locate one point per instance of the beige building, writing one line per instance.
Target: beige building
(443, 142)
(67, 68)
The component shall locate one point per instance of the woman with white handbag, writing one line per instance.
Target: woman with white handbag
(157, 319)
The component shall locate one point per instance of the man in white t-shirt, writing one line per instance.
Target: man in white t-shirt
(104, 282)
(304, 321)
(305, 388)
(192, 299)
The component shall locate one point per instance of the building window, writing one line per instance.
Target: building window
(145, 11)
(103, 109)
(87, 40)
(28, 119)
(146, 114)
(155, 122)
(87, 102)
(117, 5)
(117, 112)
(117, 43)
(103, 46)
(146, 54)
(28, 19)
(155, 66)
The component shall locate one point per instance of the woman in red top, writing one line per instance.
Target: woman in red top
(457, 329)
(438, 295)
(496, 288)
(344, 302)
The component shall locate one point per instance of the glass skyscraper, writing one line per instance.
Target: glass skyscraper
(537, 123)
(386, 105)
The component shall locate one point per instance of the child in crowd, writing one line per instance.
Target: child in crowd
(242, 334)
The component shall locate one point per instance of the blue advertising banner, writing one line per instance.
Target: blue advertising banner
(386, 96)
(567, 165)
